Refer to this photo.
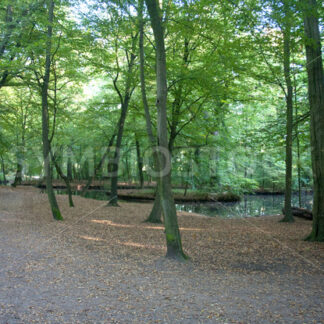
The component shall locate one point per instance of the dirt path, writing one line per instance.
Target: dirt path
(105, 266)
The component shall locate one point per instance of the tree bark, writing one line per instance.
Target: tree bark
(21, 152)
(63, 177)
(156, 212)
(45, 127)
(69, 168)
(139, 162)
(173, 238)
(298, 147)
(128, 178)
(316, 101)
(115, 165)
(124, 100)
(288, 217)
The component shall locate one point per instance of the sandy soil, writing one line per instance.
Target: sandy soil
(104, 265)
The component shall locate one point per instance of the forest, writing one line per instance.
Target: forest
(148, 105)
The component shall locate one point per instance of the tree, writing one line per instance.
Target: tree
(45, 127)
(63, 176)
(173, 238)
(124, 102)
(316, 102)
(139, 161)
(156, 212)
(289, 109)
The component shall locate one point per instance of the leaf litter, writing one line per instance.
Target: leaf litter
(105, 265)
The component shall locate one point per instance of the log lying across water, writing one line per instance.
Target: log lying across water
(301, 212)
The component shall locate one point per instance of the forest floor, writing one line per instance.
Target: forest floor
(104, 265)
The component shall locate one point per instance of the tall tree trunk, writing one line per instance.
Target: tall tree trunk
(156, 212)
(187, 178)
(173, 238)
(288, 217)
(316, 101)
(139, 162)
(20, 156)
(128, 178)
(298, 146)
(69, 168)
(45, 128)
(124, 100)
(115, 165)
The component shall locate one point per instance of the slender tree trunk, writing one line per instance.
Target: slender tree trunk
(156, 212)
(316, 101)
(298, 147)
(187, 179)
(60, 160)
(128, 178)
(299, 174)
(63, 177)
(198, 166)
(20, 157)
(288, 217)
(94, 164)
(124, 108)
(173, 238)
(69, 168)
(45, 128)
(115, 165)
(139, 162)
(176, 106)
(3, 170)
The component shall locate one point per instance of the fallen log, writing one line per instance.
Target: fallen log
(301, 212)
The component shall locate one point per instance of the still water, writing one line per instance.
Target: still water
(250, 205)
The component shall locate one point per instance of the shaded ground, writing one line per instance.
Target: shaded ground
(103, 265)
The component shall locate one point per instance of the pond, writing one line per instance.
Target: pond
(249, 206)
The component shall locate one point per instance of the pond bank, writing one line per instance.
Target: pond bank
(138, 194)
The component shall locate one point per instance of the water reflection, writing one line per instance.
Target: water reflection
(250, 205)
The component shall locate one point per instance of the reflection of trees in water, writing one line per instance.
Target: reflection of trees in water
(250, 205)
